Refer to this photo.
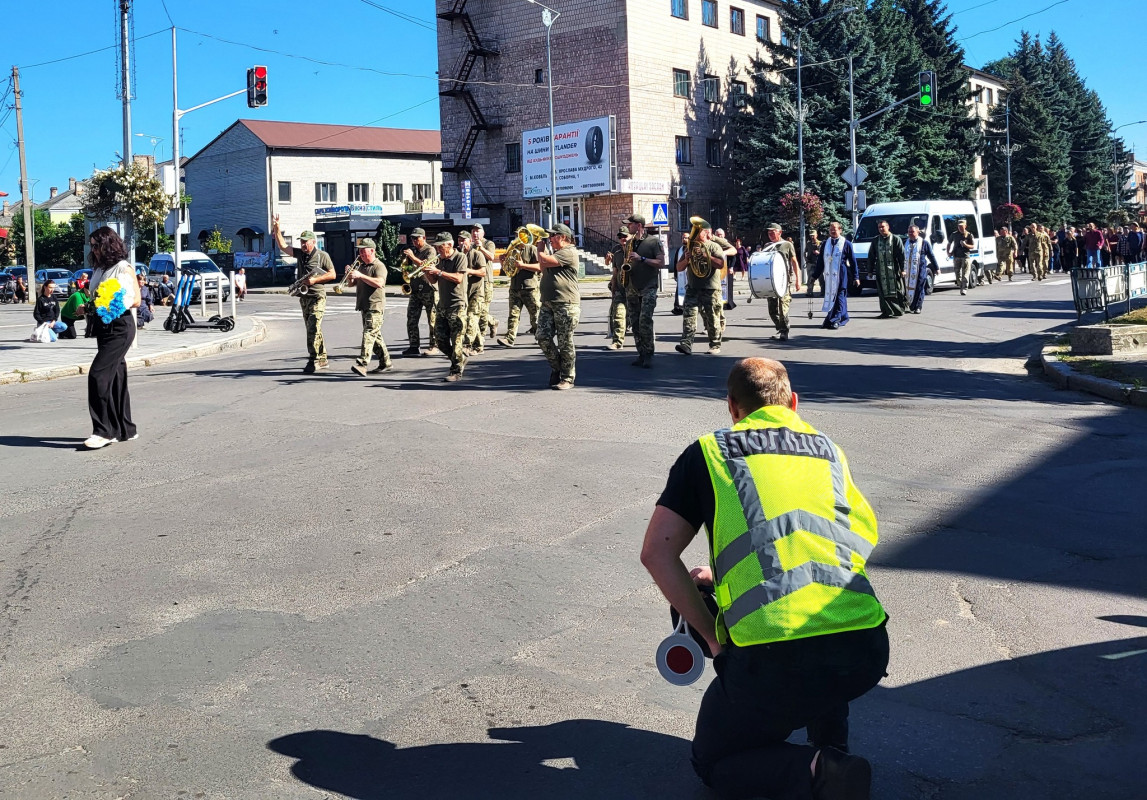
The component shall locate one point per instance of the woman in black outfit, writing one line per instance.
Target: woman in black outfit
(108, 400)
(47, 309)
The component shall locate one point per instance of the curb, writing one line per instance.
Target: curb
(1063, 376)
(257, 334)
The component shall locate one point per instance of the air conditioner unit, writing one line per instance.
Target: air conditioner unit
(680, 192)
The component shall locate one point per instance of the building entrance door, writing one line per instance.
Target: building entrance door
(570, 212)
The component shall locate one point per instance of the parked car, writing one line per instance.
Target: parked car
(192, 260)
(60, 277)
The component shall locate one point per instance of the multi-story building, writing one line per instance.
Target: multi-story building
(256, 169)
(987, 91)
(665, 75)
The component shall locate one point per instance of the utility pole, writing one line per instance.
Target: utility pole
(852, 145)
(175, 156)
(125, 93)
(25, 196)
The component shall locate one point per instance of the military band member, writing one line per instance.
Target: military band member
(1032, 246)
(615, 258)
(524, 292)
(561, 306)
(702, 293)
(487, 322)
(421, 295)
(477, 263)
(369, 282)
(646, 260)
(779, 306)
(960, 247)
(449, 275)
(1006, 252)
(727, 252)
(314, 302)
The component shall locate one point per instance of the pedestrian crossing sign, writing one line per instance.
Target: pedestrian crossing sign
(660, 213)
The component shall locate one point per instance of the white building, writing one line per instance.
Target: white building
(256, 169)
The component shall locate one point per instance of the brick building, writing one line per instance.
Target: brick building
(668, 71)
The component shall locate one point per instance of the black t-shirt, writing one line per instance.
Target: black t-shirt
(689, 490)
(643, 275)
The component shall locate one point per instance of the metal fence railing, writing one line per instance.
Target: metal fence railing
(1100, 288)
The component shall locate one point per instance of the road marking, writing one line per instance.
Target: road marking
(1059, 283)
(1128, 654)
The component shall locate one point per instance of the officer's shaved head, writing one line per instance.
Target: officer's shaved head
(758, 382)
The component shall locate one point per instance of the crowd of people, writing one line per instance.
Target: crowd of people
(1038, 251)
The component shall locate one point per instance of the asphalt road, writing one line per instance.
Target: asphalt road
(301, 586)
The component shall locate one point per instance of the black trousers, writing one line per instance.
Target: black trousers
(763, 693)
(108, 400)
(70, 333)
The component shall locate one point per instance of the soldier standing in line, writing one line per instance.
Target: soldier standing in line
(727, 252)
(476, 265)
(960, 246)
(1006, 251)
(561, 306)
(487, 322)
(779, 306)
(617, 306)
(523, 292)
(369, 282)
(1032, 246)
(702, 294)
(1044, 251)
(314, 302)
(646, 260)
(449, 275)
(421, 295)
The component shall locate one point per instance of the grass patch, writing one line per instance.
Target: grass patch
(1101, 369)
(1136, 317)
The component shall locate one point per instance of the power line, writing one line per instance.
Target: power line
(973, 8)
(1011, 22)
(366, 124)
(92, 52)
(400, 15)
(168, 13)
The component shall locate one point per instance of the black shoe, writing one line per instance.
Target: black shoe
(840, 776)
(411, 351)
(387, 367)
(648, 362)
(555, 377)
(309, 368)
(683, 350)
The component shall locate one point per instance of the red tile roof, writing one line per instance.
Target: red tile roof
(313, 136)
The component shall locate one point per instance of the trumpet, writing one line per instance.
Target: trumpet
(345, 282)
(410, 271)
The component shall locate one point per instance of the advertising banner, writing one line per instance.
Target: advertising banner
(584, 159)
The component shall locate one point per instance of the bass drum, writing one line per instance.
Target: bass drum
(768, 275)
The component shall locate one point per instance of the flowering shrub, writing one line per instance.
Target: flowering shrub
(1007, 213)
(122, 192)
(791, 203)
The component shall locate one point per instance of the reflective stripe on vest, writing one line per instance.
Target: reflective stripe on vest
(770, 433)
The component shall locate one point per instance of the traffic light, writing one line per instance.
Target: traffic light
(257, 87)
(927, 87)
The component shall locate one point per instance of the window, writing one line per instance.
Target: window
(683, 217)
(684, 150)
(392, 193)
(978, 93)
(737, 21)
(712, 89)
(513, 157)
(358, 192)
(284, 191)
(713, 152)
(680, 83)
(421, 191)
(326, 193)
(679, 9)
(709, 13)
(991, 100)
(539, 76)
(740, 92)
(762, 28)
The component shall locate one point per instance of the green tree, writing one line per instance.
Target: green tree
(217, 241)
(57, 245)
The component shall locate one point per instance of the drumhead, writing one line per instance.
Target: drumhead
(768, 275)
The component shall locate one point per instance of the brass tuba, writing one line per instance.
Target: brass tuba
(699, 264)
(524, 237)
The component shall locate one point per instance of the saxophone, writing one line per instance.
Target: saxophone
(699, 264)
(524, 237)
(411, 272)
(626, 252)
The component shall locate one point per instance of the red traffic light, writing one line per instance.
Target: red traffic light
(257, 86)
(260, 72)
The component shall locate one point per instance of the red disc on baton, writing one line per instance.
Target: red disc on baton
(679, 658)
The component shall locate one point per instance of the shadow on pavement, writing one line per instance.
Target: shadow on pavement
(572, 759)
(59, 443)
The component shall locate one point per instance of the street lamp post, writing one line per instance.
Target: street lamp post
(1008, 130)
(549, 17)
(800, 120)
(155, 140)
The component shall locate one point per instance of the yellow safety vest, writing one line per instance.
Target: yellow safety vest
(791, 533)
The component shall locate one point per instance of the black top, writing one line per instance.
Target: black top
(643, 275)
(46, 310)
(689, 490)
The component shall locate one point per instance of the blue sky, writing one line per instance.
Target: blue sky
(73, 121)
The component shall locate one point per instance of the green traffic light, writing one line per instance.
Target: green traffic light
(925, 100)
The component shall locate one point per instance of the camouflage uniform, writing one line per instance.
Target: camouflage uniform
(1044, 253)
(1006, 253)
(641, 295)
(314, 302)
(450, 322)
(523, 292)
(476, 307)
(560, 314)
(1031, 243)
(422, 297)
(372, 303)
(704, 295)
(617, 305)
(487, 322)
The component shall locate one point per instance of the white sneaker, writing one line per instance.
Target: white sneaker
(94, 442)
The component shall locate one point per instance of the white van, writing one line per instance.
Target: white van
(937, 221)
(164, 264)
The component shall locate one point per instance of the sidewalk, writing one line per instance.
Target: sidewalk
(23, 362)
(1121, 377)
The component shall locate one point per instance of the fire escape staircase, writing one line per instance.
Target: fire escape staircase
(459, 86)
